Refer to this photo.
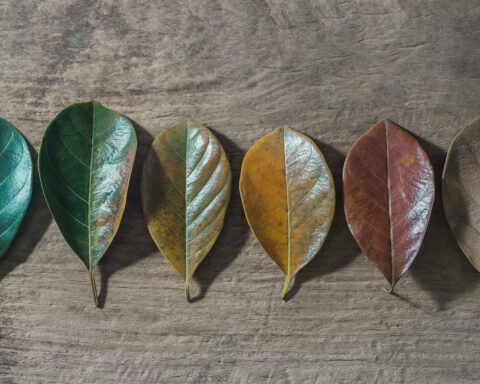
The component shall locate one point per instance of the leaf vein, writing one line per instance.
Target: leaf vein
(295, 178)
(210, 203)
(61, 177)
(74, 124)
(8, 143)
(206, 183)
(201, 159)
(11, 225)
(209, 225)
(15, 195)
(13, 170)
(305, 196)
(73, 154)
(61, 206)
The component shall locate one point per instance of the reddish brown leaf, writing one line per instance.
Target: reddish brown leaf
(388, 191)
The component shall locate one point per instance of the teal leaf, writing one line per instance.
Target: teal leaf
(15, 182)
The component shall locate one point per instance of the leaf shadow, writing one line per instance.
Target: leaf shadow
(132, 242)
(36, 221)
(440, 267)
(403, 298)
(340, 248)
(235, 229)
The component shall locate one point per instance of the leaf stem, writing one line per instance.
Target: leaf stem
(187, 292)
(91, 273)
(285, 287)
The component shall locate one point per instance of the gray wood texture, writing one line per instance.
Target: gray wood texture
(330, 69)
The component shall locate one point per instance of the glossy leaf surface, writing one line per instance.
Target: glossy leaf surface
(461, 191)
(186, 187)
(15, 182)
(85, 162)
(388, 195)
(289, 198)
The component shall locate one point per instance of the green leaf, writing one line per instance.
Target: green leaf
(85, 162)
(186, 186)
(15, 182)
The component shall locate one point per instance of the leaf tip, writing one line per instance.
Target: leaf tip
(189, 122)
(283, 128)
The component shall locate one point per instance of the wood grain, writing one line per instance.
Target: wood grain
(326, 68)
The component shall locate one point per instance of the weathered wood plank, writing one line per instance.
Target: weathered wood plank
(329, 69)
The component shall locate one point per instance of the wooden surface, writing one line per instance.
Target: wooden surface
(330, 69)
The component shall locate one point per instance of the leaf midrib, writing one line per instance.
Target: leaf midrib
(186, 206)
(8, 142)
(288, 208)
(389, 205)
(90, 191)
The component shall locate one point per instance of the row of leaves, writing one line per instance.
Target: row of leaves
(86, 159)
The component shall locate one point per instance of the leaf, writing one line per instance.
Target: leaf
(461, 191)
(85, 162)
(15, 182)
(186, 186)
(388, 192)
(289, 198)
